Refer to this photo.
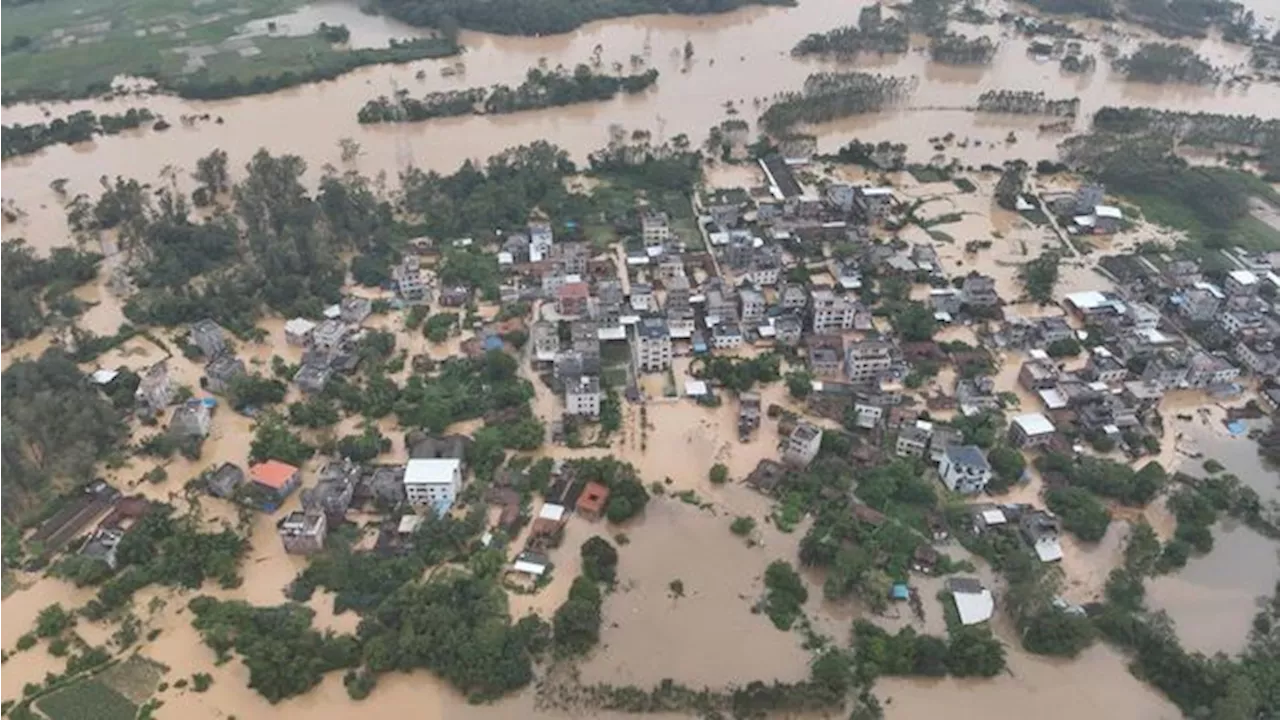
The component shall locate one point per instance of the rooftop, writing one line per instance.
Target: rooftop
(1034, 424)
(431, 471)
(272, 473)
(967, 456)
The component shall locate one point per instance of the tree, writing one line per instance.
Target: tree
(785, 594)
(1040, 276)
(577, 621)
(599, 560)
(974, 652)
(799, 384)
(211, 172)
(1053, 631)
(742, 525)
(1066, 347)
(914, 321)
(52, 620)
(1008, 465)
(272, 440)
(1142, 550)
(1081, 512)
(719, 474)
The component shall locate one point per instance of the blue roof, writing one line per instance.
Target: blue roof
(967, 456)
(900, 591)
(493, 342)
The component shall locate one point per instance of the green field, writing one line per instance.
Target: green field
(88, 700)
(69, 48)
(1249, 232)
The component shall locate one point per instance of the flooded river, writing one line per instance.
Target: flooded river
(739, 58)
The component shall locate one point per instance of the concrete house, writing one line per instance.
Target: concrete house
(312, 378)
(913, 440)
(298, 331)
(275, 481)
(1104, 366)
(572, 299)
(333, 490)
(867, 361)
(655, 228)
(209, 337)
(546, 340)
(1041, 530)
(979, 290)
(831, 312)
(220, 371)
(793, 297)
(302, 533)
(190, 420)
(411, 285)
(642, 299)
(433, 482)
(155, 389)
(788, 329)
(582, 396)
(652, 346)
(753, 305)
(354, 310)
(825, 356)
(802, 444)
(328, 335)
(964, 469)
(1031, 430)
(748, 415)
(224, 481)
(1205, 370)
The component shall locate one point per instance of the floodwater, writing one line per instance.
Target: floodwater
(1214, 598)
(739, 58)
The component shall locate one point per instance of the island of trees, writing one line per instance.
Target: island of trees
(544, 17)
(873, 33)
(1026, 102)
(1167, 62)
(956, 49)
(831, 96)
(76, 128)
(540, 89)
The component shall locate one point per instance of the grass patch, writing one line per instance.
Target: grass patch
(965, 185)
(615, 353)
(136, 678)
(1248, 232)
(87, 700)
(928, 174)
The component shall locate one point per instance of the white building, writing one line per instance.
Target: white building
(866, 361)
(753, 305)
(831, 312)
(655, 228)
(652, 346)
(726, 335)
(964, 469)
(298, 331)
(803, 444)
(410, 283)
(546, 341)
(582, 396)
(433, 481)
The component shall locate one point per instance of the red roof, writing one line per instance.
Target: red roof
(593, 498)
(575, 290)
(272, 473)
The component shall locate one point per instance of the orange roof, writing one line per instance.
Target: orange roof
(593, 498)
(272, 473)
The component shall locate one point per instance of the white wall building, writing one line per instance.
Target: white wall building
(433, 481)
(582, 396)
(964, 469)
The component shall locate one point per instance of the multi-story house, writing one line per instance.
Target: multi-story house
(1259, 356)
(788, 329)
(410, 282)
(652, 345)
(220, 371)
(540, 240)
(913, 440)
(722, 304)
(155, 389)
(753, 305)
(1205, 370)
(1242, 282)
(670, 268)
(302, 533)
(802, 444)
(573, 299)
(964, 469)
(979, 290)
(867, 361)
(793, 297)
(655, 228)
(831, 312)
(642, 299)
(433, 481)
(546, 340)
(1037, 375)
(582, 396)
(726, 335)
(209, 337)
(825, 355)
(1104, 366)
(763, 269)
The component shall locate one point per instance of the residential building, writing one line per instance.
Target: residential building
(721, 304)
(220, 371)
(974, 603)
(655, 228)
(849, 276)
(335, 486)
(275, 481)
(642, 300)
(1165, 371)
(592, 501)
(1041, 530)
(302, 533)
(422, 446)
(979, 290)
(793, 297)
(224, 481)
(1241, 282)
(155, 389)
(725, 205)
(1035, 375)
(1205, 370)
(913, 440)
(802, 444)
(546, 340)
(1031, 430)
(572, 299)
(1200, 303)
(410, 282)
(725, 336)
(190, 420)
(1182, 273)
(1091, 304)
(652, 345)
(354, 309)
(433, 481)
(571, 258)
(943, 437)
(763, 269)
(312, 378)
(748, 414)
(209, 337)
(328, 335)
(1259, 356)
(298, 332)
(867, 361)
(946, 300)
(825, 355)
(867, 415)
(670, 267)
(584, 337)
(964, 469)
(540, 240)
(753, 305)
(831, 312)
(1053, 329)
(1104, 366)
(788, 329)
(582, 396)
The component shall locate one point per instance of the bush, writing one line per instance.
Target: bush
(719, 474)
(974, 652)
(599, 560)
(742, 525)
(577, 621)
(359, 683)
(201, 682)
(785, 594)
(52, 620)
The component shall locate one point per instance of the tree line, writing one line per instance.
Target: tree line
(540, 89)
(34, 289)
(1027, 102)
(1167, 62)
(78, 127)
(873, 33)
(956, 49)
(543, 17)
(831, 96)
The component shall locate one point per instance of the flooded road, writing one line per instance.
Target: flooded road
(739, 58)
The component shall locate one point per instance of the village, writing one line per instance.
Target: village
(887, 355)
